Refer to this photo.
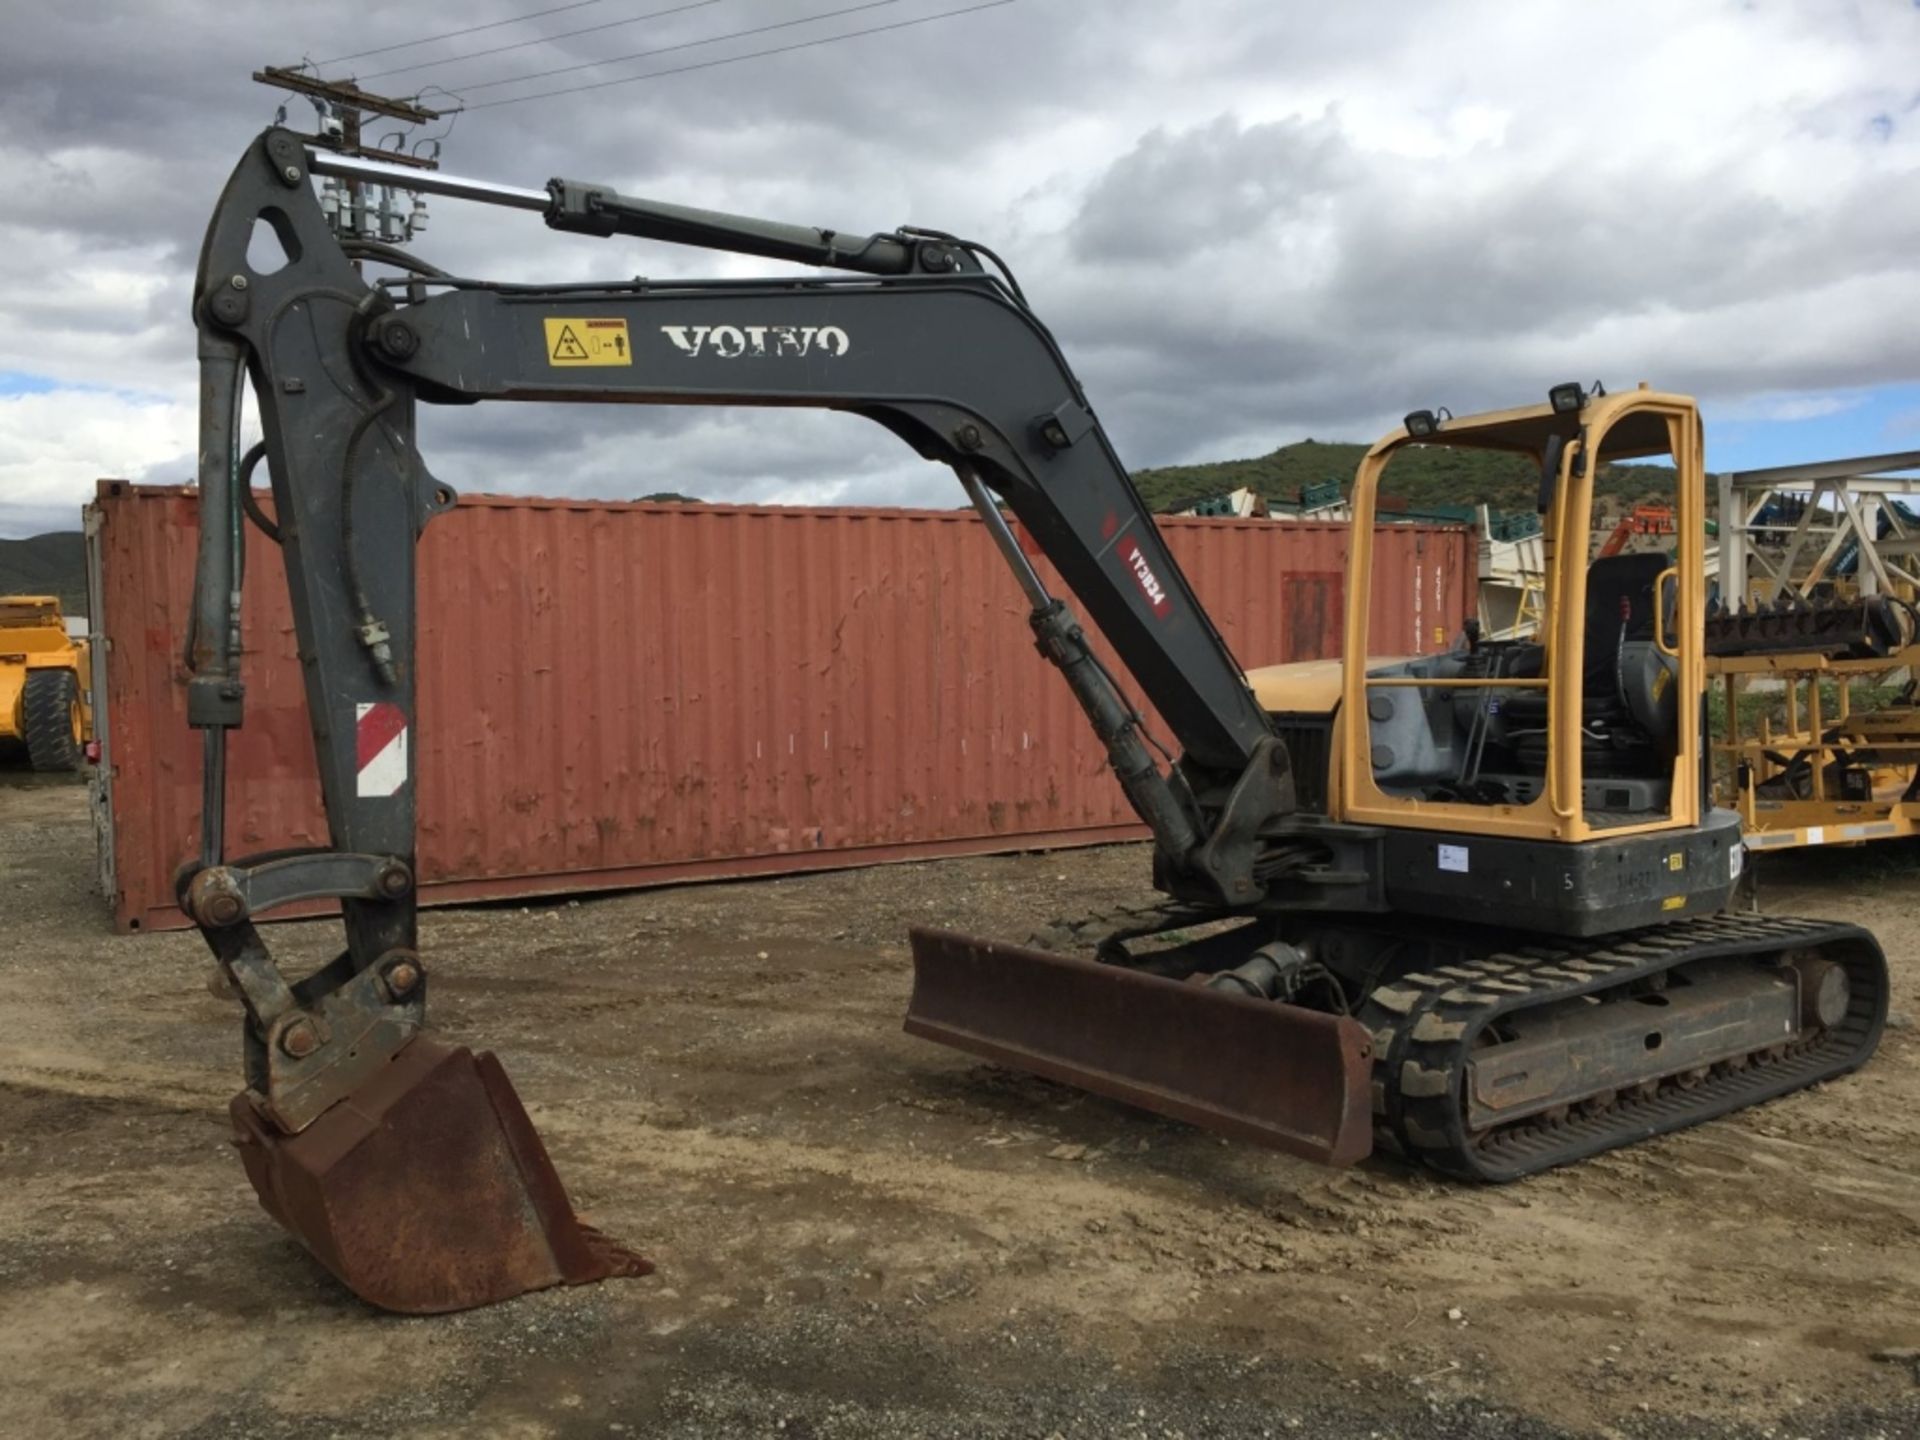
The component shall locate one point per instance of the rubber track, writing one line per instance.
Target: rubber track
(1425, 1024)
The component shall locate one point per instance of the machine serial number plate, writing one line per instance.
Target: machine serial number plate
(1454, 857)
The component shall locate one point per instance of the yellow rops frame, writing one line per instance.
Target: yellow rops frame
(1634, 423)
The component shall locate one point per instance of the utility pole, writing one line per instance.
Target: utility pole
(355, 210)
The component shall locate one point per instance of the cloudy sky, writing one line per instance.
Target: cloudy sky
(1249, 221)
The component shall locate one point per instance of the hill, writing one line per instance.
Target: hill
(1423, 475)
(54, 564)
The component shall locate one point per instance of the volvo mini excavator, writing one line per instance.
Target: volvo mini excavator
(1465, 906)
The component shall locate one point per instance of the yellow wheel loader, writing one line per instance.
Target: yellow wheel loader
(45, 704)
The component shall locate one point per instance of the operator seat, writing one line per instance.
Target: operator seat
(1620, 601)
(1628, 718)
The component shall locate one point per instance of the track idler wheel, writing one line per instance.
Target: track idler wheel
(427, 1189)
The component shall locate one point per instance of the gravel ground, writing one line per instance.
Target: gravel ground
(861, 1235)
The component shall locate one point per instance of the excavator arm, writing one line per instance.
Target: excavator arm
(916, 335)
(924, 342)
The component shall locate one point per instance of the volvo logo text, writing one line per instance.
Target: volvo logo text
(775, 342)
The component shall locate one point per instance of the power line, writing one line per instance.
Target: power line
(353, 209)
(751, 55)
(664, 50)
(542, 40)
(346, 94)
(451, 34)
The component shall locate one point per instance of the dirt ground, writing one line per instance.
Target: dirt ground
(859, 1234)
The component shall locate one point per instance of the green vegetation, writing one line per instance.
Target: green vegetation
(1757, 703)
(54, 564)
(1425, 475)
(1768, 703)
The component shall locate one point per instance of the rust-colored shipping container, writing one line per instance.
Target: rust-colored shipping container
(626, 694)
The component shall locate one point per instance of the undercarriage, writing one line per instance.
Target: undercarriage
(1484, 1054)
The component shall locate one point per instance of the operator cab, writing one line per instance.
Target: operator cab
(1567, 703)
(1489, 745)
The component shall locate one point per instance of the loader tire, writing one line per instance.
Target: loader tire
(51, 704)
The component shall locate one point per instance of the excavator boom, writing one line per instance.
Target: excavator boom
(349, 1116)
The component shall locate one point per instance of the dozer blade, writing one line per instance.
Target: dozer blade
(427, 1189)
(1277, 1075)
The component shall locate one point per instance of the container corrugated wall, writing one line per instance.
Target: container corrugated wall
(618, 694)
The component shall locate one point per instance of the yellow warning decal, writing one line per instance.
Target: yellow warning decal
(1677, 860)
(580, 341)
(1674, 902)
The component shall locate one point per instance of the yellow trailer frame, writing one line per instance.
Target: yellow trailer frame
(1748, 755)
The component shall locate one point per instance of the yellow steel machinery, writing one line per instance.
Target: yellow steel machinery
(1825, 753)
(1814, 654)
(1617, 753)
(44, 704)
(1552, 973)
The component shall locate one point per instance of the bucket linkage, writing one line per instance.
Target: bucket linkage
(408, 1167)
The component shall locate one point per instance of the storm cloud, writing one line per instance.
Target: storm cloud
(1247, 222)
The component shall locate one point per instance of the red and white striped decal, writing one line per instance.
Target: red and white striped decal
(382, 731)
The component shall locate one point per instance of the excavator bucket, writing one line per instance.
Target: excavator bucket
(427, 1190)
(1277, 1075)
